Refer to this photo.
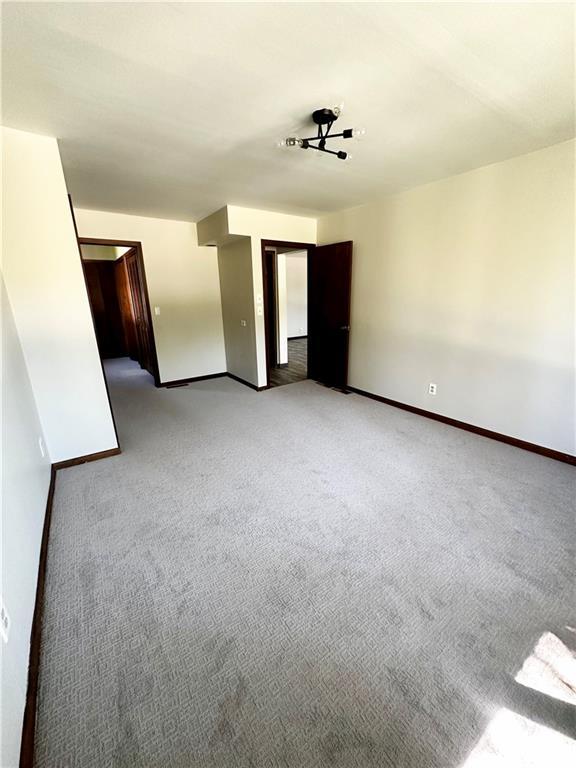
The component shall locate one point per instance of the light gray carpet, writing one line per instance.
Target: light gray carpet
(296, 578)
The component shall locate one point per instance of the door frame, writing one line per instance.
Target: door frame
(137, 245)
(267, 245)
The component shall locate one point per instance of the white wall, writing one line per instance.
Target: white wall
(25, 482)
(270, 225)
(45, 284)
(103, 252)
(469, 283)
(297, 293)
(237, 290)
(281, 310)
(182, 280)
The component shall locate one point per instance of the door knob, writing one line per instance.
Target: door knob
(344, 327)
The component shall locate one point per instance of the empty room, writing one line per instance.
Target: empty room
(288, 385)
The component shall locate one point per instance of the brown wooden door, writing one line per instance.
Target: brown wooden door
(100, 283)
(141, 322)
(269, 281)
(329, 285)
(126, 309)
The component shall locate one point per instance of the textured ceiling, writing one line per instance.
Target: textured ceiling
(174, 110)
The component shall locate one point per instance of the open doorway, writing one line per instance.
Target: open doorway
(116, 286)
(307, 333)
(285, 273)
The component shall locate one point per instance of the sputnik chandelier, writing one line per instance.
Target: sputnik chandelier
(325, 119)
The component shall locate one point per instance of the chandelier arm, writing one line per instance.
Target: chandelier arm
(321, 149)
(332, 136)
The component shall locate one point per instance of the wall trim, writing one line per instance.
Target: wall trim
(246, 383)
(550, 453)
(83, 459)
(191, 380)
(29, 720)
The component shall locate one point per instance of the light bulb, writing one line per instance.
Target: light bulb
(359, 133)
(281, 143)
(338, 109)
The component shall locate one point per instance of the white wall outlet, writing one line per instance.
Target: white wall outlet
(431, 388)
(258, 299)
(41, 446)
(259, 311)
(4, 621)
(156, 310)
(243, 323)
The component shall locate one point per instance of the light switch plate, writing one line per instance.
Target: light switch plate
(156, 310)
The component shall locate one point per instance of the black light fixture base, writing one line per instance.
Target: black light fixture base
(324, 116)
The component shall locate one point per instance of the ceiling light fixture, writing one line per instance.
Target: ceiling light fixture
(325, 119)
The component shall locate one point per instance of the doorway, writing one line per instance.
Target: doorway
(116, 285)
(285, 275)
(306, 295)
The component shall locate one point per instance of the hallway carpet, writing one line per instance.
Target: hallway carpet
(296, 579)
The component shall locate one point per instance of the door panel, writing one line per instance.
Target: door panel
(126, 310)
(329, 286)
(269, 280)
(143, 331)
(101, 286)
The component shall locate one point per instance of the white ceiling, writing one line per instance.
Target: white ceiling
(174, 110)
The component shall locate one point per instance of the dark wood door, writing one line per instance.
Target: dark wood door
(142, 326)
(101, 285)
(269, 282)
(126, 309)
(329, 286)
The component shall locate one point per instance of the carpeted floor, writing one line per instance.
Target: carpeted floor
(298, 578)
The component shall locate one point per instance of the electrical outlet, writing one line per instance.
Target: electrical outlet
(4, 621)
(243, 323)
(157, 311)
(431, 388)
(41, 446)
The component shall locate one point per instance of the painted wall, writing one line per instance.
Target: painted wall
(281, 310)
(469, 283)
(45, 284)
(25, 482)
(102, 252)
(182, 281)
(270, 225)
(213, 229)
(297, 293)
(237, 291)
